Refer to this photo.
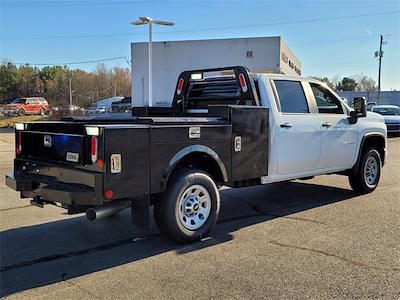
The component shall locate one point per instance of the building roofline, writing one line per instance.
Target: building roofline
(220, 39)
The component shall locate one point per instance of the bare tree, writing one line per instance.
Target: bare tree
(365, 83)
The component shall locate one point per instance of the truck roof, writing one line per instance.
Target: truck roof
(283, 76)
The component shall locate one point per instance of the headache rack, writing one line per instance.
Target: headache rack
(196, 90)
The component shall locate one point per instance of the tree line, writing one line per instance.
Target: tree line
(358, 82)
(52, 83)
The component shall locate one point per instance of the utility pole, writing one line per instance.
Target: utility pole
(70, 93)
(115, 89)
(380, 55)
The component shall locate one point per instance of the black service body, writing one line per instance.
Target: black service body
(215, 124)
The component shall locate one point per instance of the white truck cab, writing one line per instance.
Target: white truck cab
(311, 131)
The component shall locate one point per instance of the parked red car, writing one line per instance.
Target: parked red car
(28, 106)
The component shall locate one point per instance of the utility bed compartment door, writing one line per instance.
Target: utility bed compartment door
(249, 142)
(127, 160)
(57, 147)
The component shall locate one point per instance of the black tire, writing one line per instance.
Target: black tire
(170, 215)
(359, 181)
(21, 112)
(42, 112)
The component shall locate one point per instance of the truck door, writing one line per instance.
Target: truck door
(338, 136)
(298, 148)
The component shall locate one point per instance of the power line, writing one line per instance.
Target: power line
(71, 63)
(19, 4)
(361, 37)
(210, 28)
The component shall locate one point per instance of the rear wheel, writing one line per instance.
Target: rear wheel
(21, 112)
(189, 208)
(366, 179)
(42, 112)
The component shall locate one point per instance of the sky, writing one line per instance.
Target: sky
(331, 38)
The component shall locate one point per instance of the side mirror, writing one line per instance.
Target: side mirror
(359, 107)
(359, 111)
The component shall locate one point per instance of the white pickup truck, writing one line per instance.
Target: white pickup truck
(226, 126)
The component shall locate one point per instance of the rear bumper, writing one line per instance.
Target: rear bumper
(62, 193)
(12, 182)
(53, 184)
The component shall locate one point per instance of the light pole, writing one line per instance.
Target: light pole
(150, 22)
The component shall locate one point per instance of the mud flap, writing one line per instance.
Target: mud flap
(140, 211)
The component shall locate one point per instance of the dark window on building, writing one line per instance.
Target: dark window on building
(249, 53)
(291, 96)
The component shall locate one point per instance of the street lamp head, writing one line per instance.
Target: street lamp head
(148, 20)
(138, 22)
(142, 21)
(165, 23)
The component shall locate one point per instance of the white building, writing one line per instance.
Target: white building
(263, 54)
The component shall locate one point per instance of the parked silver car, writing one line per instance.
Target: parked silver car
(391, 114)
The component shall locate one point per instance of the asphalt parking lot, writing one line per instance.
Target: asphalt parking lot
(300, 239)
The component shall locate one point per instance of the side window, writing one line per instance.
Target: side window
(326, 101)
(291, 96)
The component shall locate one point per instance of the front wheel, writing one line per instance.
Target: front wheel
(189, 208)
(21, 112)
(366, 179)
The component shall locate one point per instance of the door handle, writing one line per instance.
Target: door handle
(327, 124)
(286, 125)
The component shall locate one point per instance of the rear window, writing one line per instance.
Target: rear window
(220, 90)
(19, 101)
(291, 96)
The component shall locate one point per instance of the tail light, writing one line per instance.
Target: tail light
(19, 142)
(19, 127)
(180, 86)
(93, 148)
(93, 132)
(243, 83)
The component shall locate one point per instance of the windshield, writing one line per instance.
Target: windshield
(18, 101)
(387, 111)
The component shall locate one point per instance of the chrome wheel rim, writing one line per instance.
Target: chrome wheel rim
(194, 207)
(371, 170)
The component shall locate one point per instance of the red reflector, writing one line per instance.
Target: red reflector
(93, 148)
(180, 86)
(109, 194)
(243, 83)
(100, 163)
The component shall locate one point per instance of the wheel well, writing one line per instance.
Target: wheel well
(202, 161)
(376, 142)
